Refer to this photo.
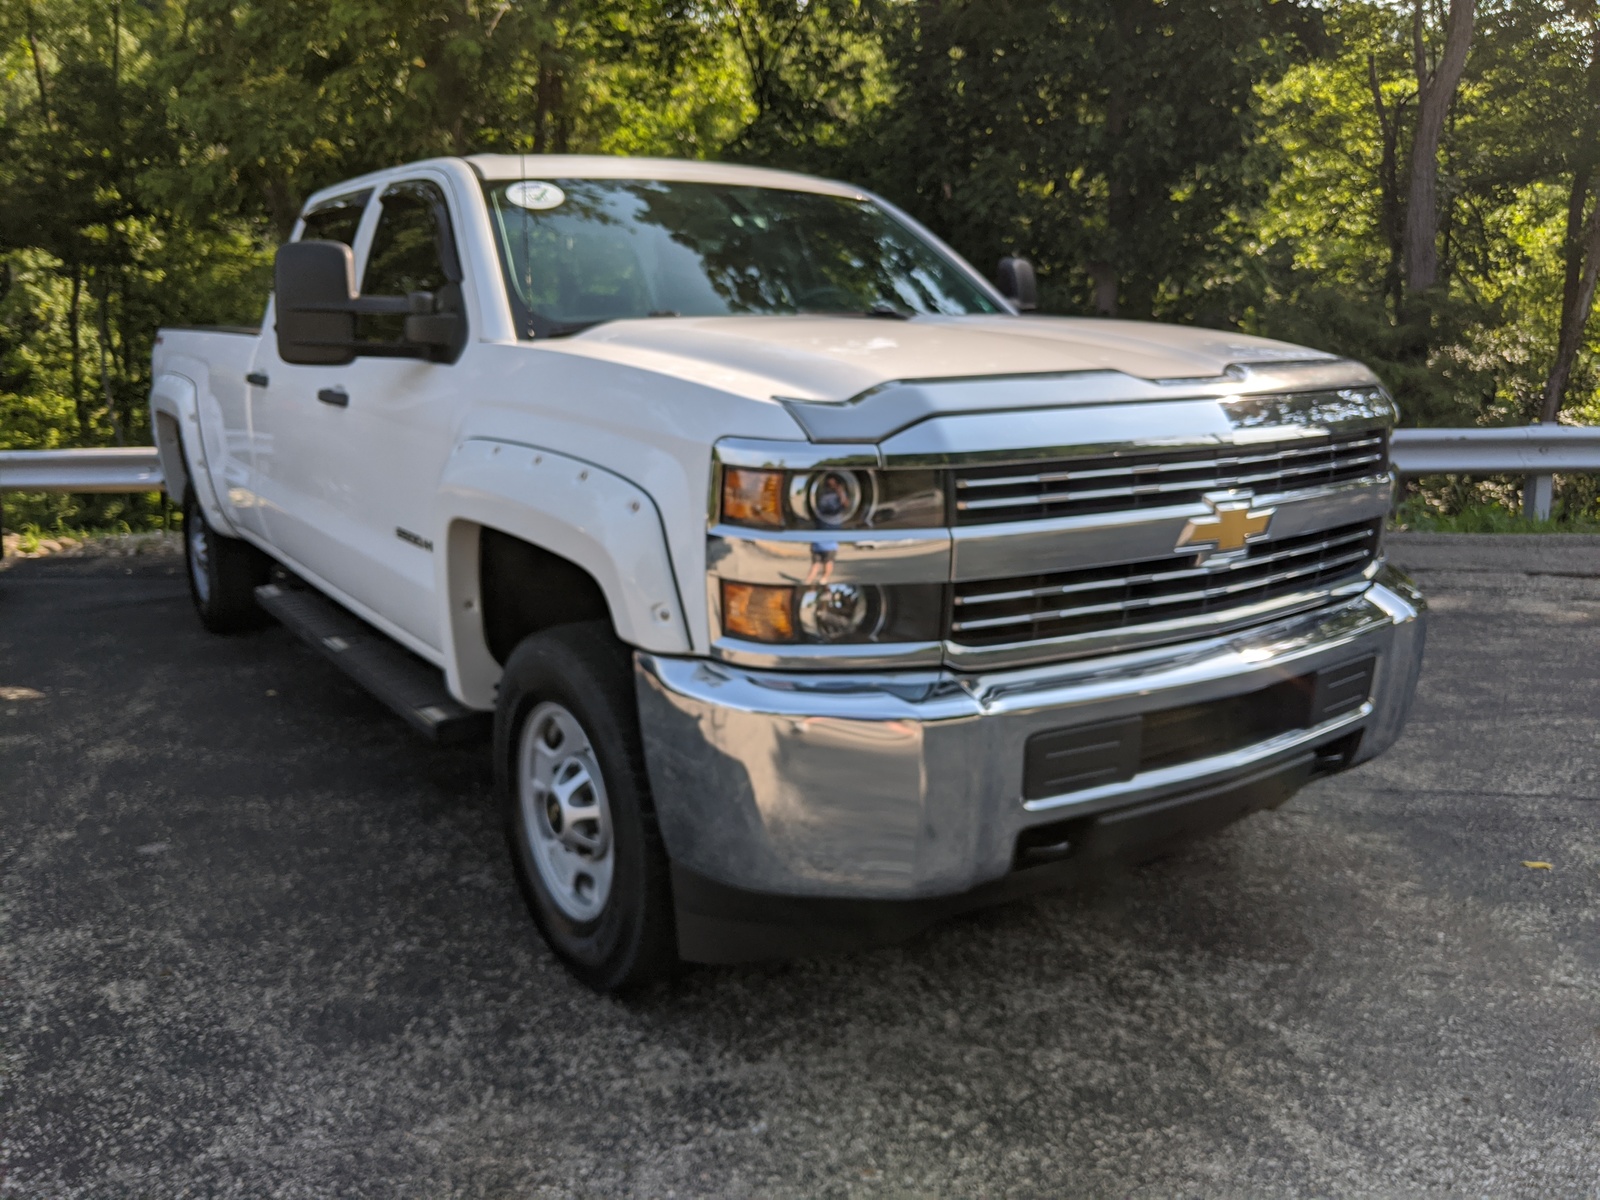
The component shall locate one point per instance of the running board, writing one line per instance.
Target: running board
(411, 686)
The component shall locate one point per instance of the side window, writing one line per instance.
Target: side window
(412, 251)
(336, 220)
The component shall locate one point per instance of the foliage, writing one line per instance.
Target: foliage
(1240, 163)
(1417, 516)
(1112, 142)
(1327, 242)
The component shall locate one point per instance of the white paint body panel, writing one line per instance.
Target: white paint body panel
(833, 359)
(582, 512)
(638, 404)
(199, 383)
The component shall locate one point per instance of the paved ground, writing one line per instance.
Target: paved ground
(258, 941)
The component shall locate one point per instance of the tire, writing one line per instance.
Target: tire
(224, 573)
(569, 769)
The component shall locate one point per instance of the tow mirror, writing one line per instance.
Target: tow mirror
(317, 306)
(1018, 283)
(314, 283)
(426, 326)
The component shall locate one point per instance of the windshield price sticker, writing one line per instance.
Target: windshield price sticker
(531, 193)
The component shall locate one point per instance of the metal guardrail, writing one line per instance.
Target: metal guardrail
(1532, 450)
(1536, 451)
(130, 469)
(1518, 450)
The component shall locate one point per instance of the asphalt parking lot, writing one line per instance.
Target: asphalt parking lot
(256, 939)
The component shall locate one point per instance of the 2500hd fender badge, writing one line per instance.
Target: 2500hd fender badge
(1234, 523)
(416, 539)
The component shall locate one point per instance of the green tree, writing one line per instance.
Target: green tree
(1263, 164)
(812, 69)
(1111, 141)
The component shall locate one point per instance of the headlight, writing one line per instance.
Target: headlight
(832, 613)
(832, 498)
(837, 612)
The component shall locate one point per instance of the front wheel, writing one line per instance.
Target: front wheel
(224, 573)
(582, 832)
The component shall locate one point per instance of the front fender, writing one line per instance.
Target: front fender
(584, 513)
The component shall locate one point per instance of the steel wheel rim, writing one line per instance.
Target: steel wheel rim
(199, 557)
(566, 815)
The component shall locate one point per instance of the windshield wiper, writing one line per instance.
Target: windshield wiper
(884, 309)
(544, 327)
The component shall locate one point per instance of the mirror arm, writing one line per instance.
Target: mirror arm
(365, 306)
(375, 349)
(392, 350)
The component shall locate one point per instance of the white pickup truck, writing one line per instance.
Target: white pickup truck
(815, 587)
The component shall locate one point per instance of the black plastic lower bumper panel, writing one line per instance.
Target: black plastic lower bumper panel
(722, 924)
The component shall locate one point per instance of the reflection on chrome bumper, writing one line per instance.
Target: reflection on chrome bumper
(910, 783)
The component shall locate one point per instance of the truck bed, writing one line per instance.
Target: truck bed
(215, 360)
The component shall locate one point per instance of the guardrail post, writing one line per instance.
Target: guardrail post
(1537, 492)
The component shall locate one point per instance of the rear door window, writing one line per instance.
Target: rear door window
(336, 220)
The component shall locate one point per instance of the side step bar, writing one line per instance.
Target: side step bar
(409, 685)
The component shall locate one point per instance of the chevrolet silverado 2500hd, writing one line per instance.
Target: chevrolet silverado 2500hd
(815, 589)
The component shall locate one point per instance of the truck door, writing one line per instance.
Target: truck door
(403, 412)
(294, 512)
(368, 440)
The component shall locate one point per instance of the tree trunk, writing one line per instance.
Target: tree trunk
(764, 42)
(549, 129)
(1436, 92)
(1574, 321)
(453, 89)
(1107, 272)
(1104, 277)
(103, 325)
(74, 326)
(116, 65)
(1572, 244)
(38, 71)
(284, 207)
(1579, 249)
(1391, 216)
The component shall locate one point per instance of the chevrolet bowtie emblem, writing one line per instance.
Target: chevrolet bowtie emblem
(1234, 522)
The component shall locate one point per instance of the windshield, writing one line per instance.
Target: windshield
(577, 252)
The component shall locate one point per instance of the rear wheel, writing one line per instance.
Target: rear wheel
(582, 832)
(224, 573)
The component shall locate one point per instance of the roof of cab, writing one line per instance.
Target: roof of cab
(596, 166)
(670, 170)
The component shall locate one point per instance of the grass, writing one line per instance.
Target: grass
(1417, 516)
(86, 544)
(43, 515)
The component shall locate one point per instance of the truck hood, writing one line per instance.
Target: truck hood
(834, 358)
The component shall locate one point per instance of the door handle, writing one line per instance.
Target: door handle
(335, 396)
(256, 379)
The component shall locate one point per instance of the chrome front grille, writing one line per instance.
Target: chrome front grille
(1097, 599)
(1149, 479)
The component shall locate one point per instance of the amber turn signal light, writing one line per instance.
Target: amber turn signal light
(752, 497)
(762, 614)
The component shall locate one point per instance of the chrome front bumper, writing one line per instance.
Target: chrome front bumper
(909, 784)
